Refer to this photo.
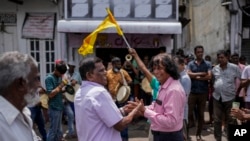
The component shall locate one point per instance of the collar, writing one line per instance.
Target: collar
(183, 73)
(8, 111)
(167, 83)
(227, 65)
(196, 61)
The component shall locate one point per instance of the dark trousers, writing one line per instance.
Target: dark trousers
(198, 101)
(168, 136)
(221, 109)
(37, 117)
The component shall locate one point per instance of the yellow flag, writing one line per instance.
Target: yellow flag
(87, 46)
(112, 19)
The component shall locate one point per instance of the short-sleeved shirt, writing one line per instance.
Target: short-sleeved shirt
(199, 86)
(75, 76)
(114, 80)
(14, 125)
(56, 102)
(246, 75)
(224, 81)
(96, 114)
(242, 91)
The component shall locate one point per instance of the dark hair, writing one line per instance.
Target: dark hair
(180, 59)
(243, 58)
(180, 52)
(115, 60)
(168, 63)
(87, 64)
(235, 54)
(209, 57)
(224, 52)
(199, 46)
(61, 67)
(162, 49)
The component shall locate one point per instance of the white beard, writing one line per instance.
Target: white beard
(32, 98)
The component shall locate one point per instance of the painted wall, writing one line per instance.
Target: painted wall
(14, 41)
(209, 27)
(21, 10)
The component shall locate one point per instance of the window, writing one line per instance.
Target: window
(44, 53)
(122, 9)
(50, 56)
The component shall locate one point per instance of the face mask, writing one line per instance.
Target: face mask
(116, 69)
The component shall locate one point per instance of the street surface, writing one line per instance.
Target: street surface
(138, 131)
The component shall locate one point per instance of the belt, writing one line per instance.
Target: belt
(163, 133)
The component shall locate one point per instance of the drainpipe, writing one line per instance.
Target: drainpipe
(234, 47)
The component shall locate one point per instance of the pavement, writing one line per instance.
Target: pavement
(138, 131)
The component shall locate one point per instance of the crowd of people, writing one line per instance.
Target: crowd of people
(180, 86)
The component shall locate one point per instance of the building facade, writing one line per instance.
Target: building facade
(29, 26)
(216, 26)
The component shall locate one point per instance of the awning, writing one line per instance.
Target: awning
(149, 27)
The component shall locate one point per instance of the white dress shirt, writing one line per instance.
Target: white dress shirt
(15, 126)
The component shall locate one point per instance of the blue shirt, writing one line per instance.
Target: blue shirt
(199, 86)
(76, 76)
(186, 84)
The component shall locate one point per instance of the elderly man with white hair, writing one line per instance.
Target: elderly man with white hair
(19, 77)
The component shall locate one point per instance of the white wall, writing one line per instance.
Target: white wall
(209, 27)
(30, 6)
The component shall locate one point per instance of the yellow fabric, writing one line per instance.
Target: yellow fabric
(112, 18)
(87, 46)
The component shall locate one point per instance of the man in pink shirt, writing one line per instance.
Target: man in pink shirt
(167, 112)
(240, 95)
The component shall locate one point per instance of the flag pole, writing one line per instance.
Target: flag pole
(128, 46)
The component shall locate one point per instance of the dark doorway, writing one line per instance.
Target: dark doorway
(106, 53)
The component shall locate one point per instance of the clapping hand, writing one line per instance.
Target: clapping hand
(137, 105)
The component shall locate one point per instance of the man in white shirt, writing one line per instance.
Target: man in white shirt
(245, 82)
(20, 80)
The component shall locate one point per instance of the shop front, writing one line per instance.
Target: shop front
(148, 25)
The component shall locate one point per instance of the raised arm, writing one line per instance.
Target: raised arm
(141, 65)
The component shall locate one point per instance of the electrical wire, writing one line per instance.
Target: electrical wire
(241, 9)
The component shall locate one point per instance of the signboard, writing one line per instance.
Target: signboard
(8, 18)
(39, 25)
(115, 41)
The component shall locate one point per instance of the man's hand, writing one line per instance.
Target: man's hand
(138, 105)
(132, 52)
(237, 113)
(73, 82)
